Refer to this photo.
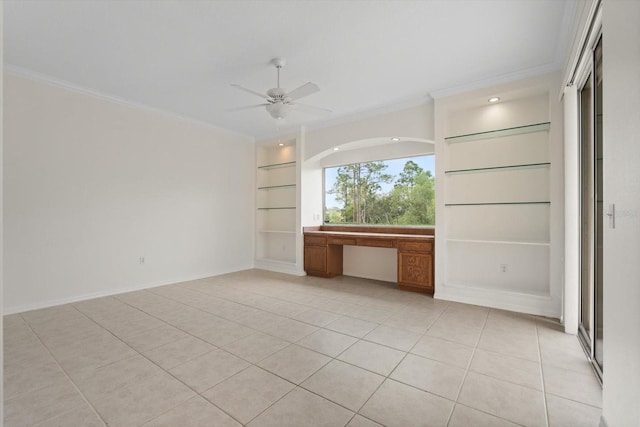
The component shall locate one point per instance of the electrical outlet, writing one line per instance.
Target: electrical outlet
(141, 260)
(504, 267)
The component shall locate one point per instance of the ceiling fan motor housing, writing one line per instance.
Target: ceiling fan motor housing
(277, 93)
(278, 110)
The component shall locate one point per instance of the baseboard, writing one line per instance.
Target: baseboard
(278, 267)
(511, 301)
(110, 292)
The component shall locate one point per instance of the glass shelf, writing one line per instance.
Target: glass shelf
(497, 203)
(538, 127)
(277, 165)
(271, 187)
(281, 207)
(526, 165)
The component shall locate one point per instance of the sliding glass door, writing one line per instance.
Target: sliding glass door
(591, 327)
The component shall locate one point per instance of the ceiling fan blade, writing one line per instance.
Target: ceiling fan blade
(261, 95)
(248, 107)
(310, 109)
(302, 91)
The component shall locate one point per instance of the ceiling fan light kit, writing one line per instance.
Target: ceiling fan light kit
(279, 101)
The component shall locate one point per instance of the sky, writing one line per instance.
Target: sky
(394, 168)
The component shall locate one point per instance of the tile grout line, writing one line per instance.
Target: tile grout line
(475, 348)
(284, 316)
(142, 355)
(466, 371)
(216, 348)
(544, 392)
(250, 365)
(145, 357)
(65, 372)
(387, 377)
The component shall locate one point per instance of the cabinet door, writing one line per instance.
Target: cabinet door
(415, 270)
(315, 259)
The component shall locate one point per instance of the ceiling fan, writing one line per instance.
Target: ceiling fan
(279, 101)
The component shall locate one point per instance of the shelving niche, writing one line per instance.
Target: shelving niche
(497, 203)
(276, 205)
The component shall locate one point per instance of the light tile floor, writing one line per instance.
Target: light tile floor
(264, 349)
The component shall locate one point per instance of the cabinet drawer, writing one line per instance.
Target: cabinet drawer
(411, 246)
(315, 240)
(378, 243)
(341, 241)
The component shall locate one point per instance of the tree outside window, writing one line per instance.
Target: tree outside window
(381, 193)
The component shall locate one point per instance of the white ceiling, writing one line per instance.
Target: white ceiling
(182, 56)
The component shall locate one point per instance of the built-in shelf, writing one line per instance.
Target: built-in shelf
(277, 208)
(522, 166)
(277, 165)
(499, 242)
(497, 203)
(278, 231)
(538, 127)
(275, 187)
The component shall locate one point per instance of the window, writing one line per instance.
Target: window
(387, 192)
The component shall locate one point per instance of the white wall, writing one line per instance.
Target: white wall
(414, 122)
(91, 186)
(621, 97)
(474, 242)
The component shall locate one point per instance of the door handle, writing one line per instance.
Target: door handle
(612, 215)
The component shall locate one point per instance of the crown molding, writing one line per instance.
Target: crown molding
(63, 84)
(494, 81)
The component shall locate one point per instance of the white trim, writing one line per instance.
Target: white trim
(578, 73)
(278, 267)
(63, 84)
(590, 34)
(494, 81)
(539, 305)
(571, 291)
(92, 295)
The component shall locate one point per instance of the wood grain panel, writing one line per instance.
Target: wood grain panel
(341, 241)
(415, 269)
(315, 240)
(378, 243)
(315, 259)
(405, 246)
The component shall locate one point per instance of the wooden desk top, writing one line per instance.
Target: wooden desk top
(392, 233)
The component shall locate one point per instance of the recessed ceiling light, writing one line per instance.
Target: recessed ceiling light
(281, 144)
(494, 99)
(395, 139)
(335, 148)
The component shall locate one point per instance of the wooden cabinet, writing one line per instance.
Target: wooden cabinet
(322, 256)
(315, 260)
(323, 253)
(415, 266)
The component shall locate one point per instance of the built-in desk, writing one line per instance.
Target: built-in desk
(415, 247)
